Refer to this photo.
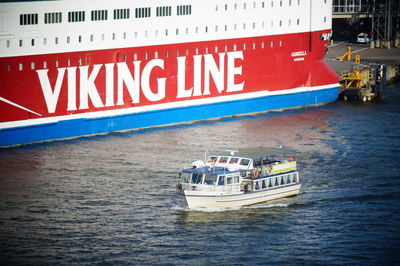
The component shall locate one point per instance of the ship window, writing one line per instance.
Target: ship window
(80, 61)
(244, 5)
(79, 38)
(270, 183)
(197, 30)
(177, 52)
(33, 42)
(20, 43)
(166, 54)
(272, 3)
(32, 65)
(283, 180)
(145, 56)
(135, 57)
(113, 36)
(50, 18)
(244, 26)
(216, 28)
(280, 43)
(76, 16)
(290, 22)
(276, 182)
(244, 162)
(229, 180)
(206, 29)
(99, 15)
(262, 45)
(121, 13)
(288, 179)
(221, 180)
(177, 32)
(21, 66)
(263, 184)
(226, 27)
(68, 62)
(155, 54)
(28, 19)
(271, 44)
(254, 5)
(298, 21)
(235, 26)
(263, 4)
(197, 50)
(166, 33)
(125, 57)
(44, 64)
(324, 19)
(234, 47)
(56, 63)
(254, 45)
(8, 43)
(280, 3)
(257, 186)
(254, 25)
(184, 10)
(8, 67)
(280, 23)
(295, 178)
(216, 49)
(235, 6)
(236, 179)
(142, 12)
(223, 159)
(91, 37)
(163, 11)
(298, 2)
(263, 24)
(196, 178)
(187, 31)
(244, 47)
(206, 50)
(68, 39)
(216, 7)
(56, 40)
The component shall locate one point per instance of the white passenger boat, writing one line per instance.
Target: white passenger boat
(239, 178)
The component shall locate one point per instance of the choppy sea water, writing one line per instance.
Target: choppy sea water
(111, 199)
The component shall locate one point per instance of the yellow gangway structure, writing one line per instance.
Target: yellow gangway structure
(356, 78)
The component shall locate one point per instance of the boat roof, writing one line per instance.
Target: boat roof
(216, 170)
(257, 153)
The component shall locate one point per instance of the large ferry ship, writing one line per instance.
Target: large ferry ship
(72, 68)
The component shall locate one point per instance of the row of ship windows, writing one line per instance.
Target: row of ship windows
(263, 4)
(98, 15)
(146, 56)
(157, 33)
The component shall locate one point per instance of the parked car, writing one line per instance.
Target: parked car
(363, 38)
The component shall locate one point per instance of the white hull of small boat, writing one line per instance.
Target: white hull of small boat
(196, 199)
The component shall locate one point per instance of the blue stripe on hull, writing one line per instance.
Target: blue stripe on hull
(81, 127)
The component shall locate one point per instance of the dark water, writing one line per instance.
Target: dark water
(110, 199)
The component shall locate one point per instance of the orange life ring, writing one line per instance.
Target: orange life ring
(255, 173)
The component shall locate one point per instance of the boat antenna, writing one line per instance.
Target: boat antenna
(232, 152)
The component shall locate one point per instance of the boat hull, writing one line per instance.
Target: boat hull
(195, 200)
(229, 106)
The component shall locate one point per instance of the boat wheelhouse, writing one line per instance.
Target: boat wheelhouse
(240, 178)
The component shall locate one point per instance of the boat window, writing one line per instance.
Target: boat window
(185, 178)
(210, 179)
(263, 184)
(288, 179)
(234, 160)
(212, 159)
(223, 159)
(295, 178)
(196, 178)
(221, 180)
(236, 179)
(229, 180)
(244, 162)
(282, 180)
(270, 183)
(276, 181)
(257, 186)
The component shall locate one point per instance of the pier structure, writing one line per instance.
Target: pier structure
(378, 18)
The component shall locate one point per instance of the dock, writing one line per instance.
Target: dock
(363, 71)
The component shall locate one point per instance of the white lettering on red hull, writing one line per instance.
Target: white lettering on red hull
(140, 81)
